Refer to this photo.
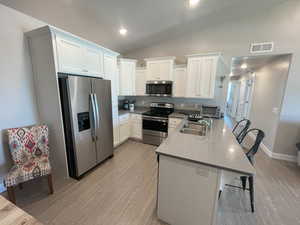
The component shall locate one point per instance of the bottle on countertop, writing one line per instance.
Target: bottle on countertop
(131, 107)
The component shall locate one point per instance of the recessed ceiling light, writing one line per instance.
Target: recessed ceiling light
(123, 31)
(193, 3)
(244, 66)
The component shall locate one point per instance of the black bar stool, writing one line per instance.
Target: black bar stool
(240, 129)
(250, 155)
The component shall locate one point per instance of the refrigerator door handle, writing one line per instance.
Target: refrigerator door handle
(93, 117)
(97, 111)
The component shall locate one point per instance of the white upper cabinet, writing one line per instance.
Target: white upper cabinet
(160, 68)
(179, 87)
(127, 69)
(110, 73)
(93, 61)
(201, 76)
(78, 58)
(70, 56)
(140, 81)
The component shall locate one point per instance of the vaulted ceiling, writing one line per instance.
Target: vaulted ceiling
(147, 21)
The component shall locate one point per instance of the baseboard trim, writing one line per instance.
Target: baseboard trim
(274, 155)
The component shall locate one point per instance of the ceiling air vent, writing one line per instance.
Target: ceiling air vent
(262, 47)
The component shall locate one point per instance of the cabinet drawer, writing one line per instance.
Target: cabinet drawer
(124, 118)
(136, 118)
(174, 122)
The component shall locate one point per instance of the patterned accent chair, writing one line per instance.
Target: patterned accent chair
(30, 153)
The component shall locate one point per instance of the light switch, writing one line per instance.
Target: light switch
(275, 110)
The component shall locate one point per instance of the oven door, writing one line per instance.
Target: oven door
(159, 89)
(155, 124)
(155, 130)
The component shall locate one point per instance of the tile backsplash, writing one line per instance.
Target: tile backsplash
(180, 103)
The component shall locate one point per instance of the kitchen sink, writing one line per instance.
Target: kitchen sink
(195, 128)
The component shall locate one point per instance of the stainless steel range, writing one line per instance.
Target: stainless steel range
(155, 123)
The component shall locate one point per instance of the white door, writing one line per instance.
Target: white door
(140, 82)
(93, 62)
(248, 96)
(193, 79)
(70, 56)
(153, 71)
(124, 131)
(180, 78)
(127, 78)
(207, 77)
(233, 99)
(110, 72)
(165, 70)
(245, 95)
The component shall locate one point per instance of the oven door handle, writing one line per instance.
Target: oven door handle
(154, 119)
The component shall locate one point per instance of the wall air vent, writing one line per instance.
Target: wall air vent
(262, 47)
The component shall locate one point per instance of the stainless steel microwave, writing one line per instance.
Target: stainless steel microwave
(211, 112)
(159, 88)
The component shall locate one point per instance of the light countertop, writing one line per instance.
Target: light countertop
(137, 110)
(218, 148)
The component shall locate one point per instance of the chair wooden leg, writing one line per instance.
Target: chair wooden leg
(244, 182)
(11, 194)
(251, 187)
(50, 183)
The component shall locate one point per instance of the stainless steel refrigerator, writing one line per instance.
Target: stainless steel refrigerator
(87, 115)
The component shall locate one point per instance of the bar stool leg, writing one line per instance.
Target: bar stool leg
(251, 187)
(244, 182)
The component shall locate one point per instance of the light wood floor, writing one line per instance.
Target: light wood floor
(122, 191)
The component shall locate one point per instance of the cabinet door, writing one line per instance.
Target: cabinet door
(153, 71)
(140, 82)
(207, 77)
(116, 128)
(201, 77)
(193, 88)
(93, 62)
(166, 70)
(180, 78)
(124, 131)
(110, 73)
(136, 131)
(127, 78)
(116, 132)
(136, 126)
(70, 56)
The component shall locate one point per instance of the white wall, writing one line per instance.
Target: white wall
(268, 93)
(279, 24)
(17, 99)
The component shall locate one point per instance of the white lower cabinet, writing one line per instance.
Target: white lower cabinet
(136, 126)
(193, 198)
(127, 126)
(173, 123)
(124, 126)
(116, 133)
